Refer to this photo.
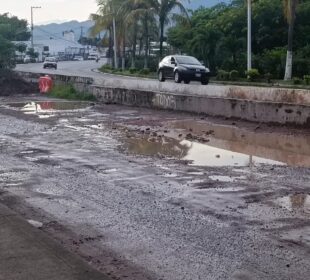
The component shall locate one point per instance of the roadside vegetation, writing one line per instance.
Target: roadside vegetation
(133, 72)
(11, 29)
(70, 93)
(217, 36)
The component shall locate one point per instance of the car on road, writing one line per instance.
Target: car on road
(183, 68)
(78, 58)
(50, 62)
(93, 57)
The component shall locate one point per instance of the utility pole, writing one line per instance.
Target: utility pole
(249, 34)
(82, 33)
(32, 24)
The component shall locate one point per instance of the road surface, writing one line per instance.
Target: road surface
(142, 194)
(90, 69)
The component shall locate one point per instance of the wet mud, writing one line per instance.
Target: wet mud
(11, 84)
(143, 194)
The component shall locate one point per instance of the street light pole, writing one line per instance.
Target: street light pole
(32, 24)
(249, 34)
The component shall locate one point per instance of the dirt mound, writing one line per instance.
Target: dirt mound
(11, 83)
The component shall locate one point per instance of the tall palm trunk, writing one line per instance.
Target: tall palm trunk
(110, 57)
(123, 50)
(134, 45)
(146, 44)
(161, 39)
(291, 23)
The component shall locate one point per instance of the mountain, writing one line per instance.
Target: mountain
(55, 30)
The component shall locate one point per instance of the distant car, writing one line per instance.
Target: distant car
(50, 62)
(78, 58)
(183, 68)
(92, 57)
(29, 59)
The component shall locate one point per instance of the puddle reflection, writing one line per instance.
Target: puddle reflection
(264, 147)
(195, 153)
(48, 106)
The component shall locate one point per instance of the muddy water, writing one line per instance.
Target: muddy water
(225, 146)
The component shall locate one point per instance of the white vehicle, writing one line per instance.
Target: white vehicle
(78, 58)
(93, 57)
(50, 62)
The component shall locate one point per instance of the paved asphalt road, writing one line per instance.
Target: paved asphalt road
(86, 69)
(109, 184)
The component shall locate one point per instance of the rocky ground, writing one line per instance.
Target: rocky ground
(143, 194)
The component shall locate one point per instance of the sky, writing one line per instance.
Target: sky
(64, 10)
(51, 10)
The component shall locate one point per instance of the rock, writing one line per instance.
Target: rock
(35, 223)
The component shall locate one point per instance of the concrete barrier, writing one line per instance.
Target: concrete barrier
(239, 108)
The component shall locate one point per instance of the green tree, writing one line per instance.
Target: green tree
(14, 29)
(11, 29)
(7, 52)
(165, 9)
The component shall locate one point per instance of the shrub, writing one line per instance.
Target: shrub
(252, 74)
(297, 81)
(133, 70)
(307, 79)
(273, 62)
(145, 71)
(106, 68)
(234, 75)
(222, 75)
(268, 77)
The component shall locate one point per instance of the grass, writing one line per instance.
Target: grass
(70, 93)
(143, 73)
(239, 82)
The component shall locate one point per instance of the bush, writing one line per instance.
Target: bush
(297, 81)
(307, 79)
(268, 77)
(222, 75)
(106, 68)
(301, 66)
(233, 75)
(144, 71)
(273, 62)
(133, 70)
(252, 74)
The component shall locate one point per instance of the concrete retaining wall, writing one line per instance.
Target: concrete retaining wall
(251, 110)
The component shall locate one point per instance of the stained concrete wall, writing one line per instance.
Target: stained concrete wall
(251, 110)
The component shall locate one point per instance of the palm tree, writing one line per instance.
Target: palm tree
(141, 11)
(164, 10)
(290, 14)
(107, 15)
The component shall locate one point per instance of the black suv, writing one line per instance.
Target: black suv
(183, 68)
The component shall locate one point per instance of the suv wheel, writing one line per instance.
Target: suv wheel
(161, 76)
(177, 77)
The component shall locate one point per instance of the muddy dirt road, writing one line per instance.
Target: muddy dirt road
(144, 194)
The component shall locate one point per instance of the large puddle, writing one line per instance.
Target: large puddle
(225, 146)
(47, 107)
